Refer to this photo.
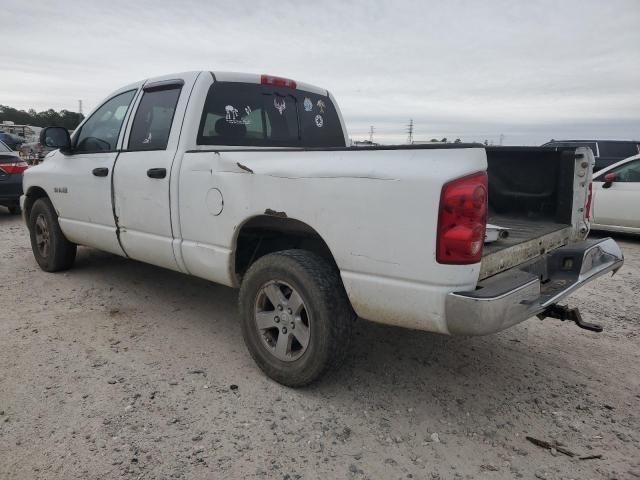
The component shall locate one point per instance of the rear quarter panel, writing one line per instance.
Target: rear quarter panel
(376, 210)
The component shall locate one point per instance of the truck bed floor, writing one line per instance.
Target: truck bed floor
(521, 230)
(528, 238)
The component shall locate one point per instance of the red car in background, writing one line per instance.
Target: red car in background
(11, 169)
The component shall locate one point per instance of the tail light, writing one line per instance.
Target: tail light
(277, 81)
(462, 220)
(587, 206)
(14, 167)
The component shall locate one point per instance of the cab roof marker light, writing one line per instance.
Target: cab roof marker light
(277, 81)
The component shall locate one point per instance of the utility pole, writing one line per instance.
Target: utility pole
(501, 138)
(410, 131)
(80, 106)
(371, 132)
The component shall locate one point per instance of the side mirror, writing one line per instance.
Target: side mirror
(56, 137)
(609, 178)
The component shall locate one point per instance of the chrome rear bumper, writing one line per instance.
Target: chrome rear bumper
(526, 290)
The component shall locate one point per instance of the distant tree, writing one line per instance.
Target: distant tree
(444, 140)
(47, 118)
(486, 142)
(435, 140)
(457, 140)
(70, 120)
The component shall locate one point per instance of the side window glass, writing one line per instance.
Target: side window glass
(100, 132)
(153, 119)
(628, 173)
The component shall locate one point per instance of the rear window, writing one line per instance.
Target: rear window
(4, 148)
(243, 114)
(618, 149)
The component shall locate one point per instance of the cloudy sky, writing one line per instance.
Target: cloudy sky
(529, 70)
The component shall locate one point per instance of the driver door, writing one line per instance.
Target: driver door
(82, 188)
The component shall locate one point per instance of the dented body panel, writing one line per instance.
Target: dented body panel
(364, 204)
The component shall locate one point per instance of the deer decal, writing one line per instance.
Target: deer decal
(280, 106)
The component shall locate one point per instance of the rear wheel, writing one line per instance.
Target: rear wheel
(295, 315)
(51, 249)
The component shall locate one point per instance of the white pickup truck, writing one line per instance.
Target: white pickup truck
(249, 181)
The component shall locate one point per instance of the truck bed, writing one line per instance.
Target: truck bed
(529, 194)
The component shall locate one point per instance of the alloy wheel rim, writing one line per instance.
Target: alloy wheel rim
(283, 320)
(43, 238)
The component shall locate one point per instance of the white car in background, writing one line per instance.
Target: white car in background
(616, 197)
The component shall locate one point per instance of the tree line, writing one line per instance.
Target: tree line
(46, 118)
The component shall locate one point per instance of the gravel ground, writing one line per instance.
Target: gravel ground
(117, 368)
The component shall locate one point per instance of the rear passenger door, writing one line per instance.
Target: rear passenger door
(142, 173)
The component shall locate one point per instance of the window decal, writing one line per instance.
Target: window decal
(321, 106)
(308, 105)
(319, 121)
(280, 106)
(231, 115)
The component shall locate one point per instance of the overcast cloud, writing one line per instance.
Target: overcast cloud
(530, 70)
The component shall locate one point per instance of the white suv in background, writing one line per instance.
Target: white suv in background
(606, 152)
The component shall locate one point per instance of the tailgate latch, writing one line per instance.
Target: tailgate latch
(562, 313)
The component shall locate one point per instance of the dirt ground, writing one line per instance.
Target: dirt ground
(120, 369)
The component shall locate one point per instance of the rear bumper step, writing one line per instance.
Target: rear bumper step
(530, 289)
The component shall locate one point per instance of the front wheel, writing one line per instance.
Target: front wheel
(51, 249)
(295, 316)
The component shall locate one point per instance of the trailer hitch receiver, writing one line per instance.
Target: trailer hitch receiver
(562, 313)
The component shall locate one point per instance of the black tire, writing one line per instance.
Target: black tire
(330, 316)
(60, 253)
(14, 210)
